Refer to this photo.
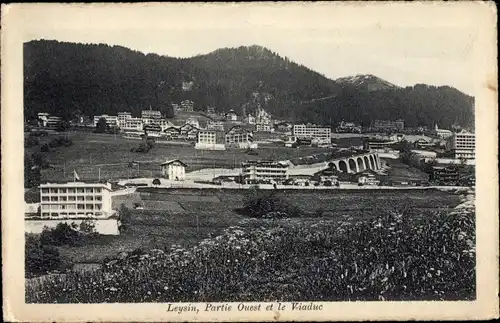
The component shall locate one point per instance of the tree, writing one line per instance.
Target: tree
(156, 181)
(39, 258)
(102, 126)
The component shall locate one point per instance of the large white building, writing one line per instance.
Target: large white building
(112, 121)
(174, 170)
(463, 145)
(75, 200)
(122, 117)
(210, 140)
(238, 137)
(150, 114)
(320, 133)
(215, 125)
(132, 125)
(257, 171)
(442, 133)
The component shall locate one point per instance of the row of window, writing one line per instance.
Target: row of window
(71, 198)
(71, 190)
(71, 206)
(70, 214)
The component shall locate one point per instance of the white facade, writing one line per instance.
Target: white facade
(215, 125)
(112, 121)
(122, 117)
(265, 171)
(322, 134)
(75, 200)
(187, 106)
(463, 145)
(150, 114)
(132, 124)
(210, 140)
(174, 170)
(442, 133)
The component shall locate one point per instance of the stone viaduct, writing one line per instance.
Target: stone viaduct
(356, 163)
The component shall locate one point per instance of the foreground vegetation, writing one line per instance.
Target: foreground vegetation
(390, 256)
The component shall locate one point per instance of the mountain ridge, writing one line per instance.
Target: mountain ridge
(97, 78)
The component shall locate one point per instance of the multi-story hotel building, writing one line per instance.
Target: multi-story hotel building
(210, 140)
(463, 145)
(187, 106)
(122, 117)
(267, 170)
(239, 138)
(215, 125)
(112, 121)
(132, 125)
(388, 125)
(75, 200)
(150, 114)
(320, 133)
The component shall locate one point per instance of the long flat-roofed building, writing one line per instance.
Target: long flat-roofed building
(463, 145)
(320, 133)
(75, 200)
(264, 170)
(112, 121)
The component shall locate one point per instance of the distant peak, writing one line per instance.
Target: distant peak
(366, 81)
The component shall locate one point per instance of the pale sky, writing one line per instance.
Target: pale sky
(403, 44)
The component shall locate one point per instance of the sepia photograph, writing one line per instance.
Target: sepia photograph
(251, 159)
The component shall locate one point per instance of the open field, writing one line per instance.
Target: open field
(186, 217)
(383, 254)
(403, 172)
(112, 155)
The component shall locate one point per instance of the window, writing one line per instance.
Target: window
(80, 206)
(54, 199)
(89, 190)
(62, 190)
(45, 207)
(45, 198)
(80, 190)
(90, 206)
(54, 214)
(98, 198)
(63, 198)
(71, 190)
(53, 190)
(98, 206)
(45, 214)
(98, 190)
(89, 198)
(64, 214)
(71, 198)
(80, 198)
(45, 190)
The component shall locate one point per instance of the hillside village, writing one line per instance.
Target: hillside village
(239, 142)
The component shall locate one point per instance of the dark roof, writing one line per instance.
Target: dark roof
(173, 160)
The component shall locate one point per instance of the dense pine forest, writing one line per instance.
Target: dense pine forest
(68, 79)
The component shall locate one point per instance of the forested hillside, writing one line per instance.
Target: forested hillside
(68, 79)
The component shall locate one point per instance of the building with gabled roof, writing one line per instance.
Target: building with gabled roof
(174, 170)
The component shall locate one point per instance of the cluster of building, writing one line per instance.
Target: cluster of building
(309, 134)
(348, 127)
(459, 145)
(236, 137)
(387, 125)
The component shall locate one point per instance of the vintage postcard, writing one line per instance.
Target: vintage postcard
(249, 161)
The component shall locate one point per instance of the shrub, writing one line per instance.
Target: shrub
(62, 234)
(259, 203)
(88, 226)
(156, 181)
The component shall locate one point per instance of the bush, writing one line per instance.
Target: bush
(63, 234)
(259, 203)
